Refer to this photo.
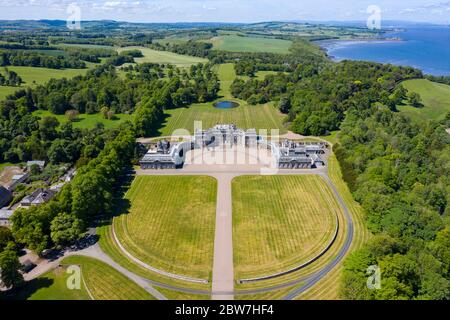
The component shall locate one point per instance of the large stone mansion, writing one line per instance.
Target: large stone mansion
(287, 154)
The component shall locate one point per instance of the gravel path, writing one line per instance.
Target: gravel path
(223, 272)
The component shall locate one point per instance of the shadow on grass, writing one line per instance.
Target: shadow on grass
(27, 290)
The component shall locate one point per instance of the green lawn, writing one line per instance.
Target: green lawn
(105, 283)
(435, 98)
(280, 222)
(164, 57)
(170, 223)
(34, 76)
(87, 121)
(50, 286)
(100, 280)
(245, 116)
(251, 44)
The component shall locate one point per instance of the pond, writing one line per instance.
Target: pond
(226, 105)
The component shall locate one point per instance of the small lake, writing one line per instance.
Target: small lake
(226, 105)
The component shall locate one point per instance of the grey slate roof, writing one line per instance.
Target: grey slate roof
(5, 196)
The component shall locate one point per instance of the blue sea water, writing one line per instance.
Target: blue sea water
(425, 47)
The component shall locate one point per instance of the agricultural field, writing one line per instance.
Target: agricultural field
(87, 121)
(435, 99)
(34, 76)
(164, 57)
(170, 223)
(251, 44)
(280, 222)
(245, 116)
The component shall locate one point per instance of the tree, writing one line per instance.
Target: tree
(47, 128)
(399, 95)
(35, 169)
(9, 266)
(414, 99)
(65, 229)
(57, 103)
(72, 114)
(110, 115)
(5, 237)
(104, 111)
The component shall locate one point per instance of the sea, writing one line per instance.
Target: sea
(426, 47)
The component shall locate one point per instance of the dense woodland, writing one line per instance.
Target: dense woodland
(143, 91)
(399, 172)
(396, 168)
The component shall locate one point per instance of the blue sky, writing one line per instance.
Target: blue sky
(228, 10)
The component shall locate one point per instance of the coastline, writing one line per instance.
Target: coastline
(424, 49)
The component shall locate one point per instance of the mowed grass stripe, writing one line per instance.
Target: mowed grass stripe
(280, 222)
(170, 223)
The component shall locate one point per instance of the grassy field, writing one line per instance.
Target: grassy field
(280, 222)
(109, 246)
(245, 116)
(50, 286)
(251, 44)
(87, 121)
(100, 280)
(105, 283)
(35, 76)
(170, 223)
(435, 98)
(164, 57)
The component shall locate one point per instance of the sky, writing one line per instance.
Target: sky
(437, 11)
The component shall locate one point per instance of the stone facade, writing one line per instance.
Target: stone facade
(287, 154)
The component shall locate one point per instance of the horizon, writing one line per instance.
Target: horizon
(387, 23)
(232, 11)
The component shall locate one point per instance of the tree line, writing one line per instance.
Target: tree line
(35, 59)
(10, 78)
